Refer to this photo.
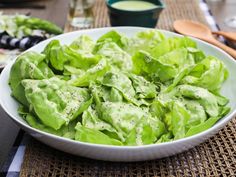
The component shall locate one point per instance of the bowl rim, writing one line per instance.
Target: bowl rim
(133, 12)
(6, 72)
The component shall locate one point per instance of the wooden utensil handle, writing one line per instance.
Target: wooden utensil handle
(228, 35)
(227, 49)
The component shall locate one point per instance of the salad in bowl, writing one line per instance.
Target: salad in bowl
(116, 90)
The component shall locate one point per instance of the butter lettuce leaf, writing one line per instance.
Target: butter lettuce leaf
(90, 119)
(88, 135)
(207, 124)
(59, 55)
(122, 116)
(92, 74)
(205, 98)
(104, 93)
(30, 65)
(116, 57)
(143, 88)
(202, 74)
(122, 83)
(54, 101)
(197, 112)
(170, 44)
(112, 36)
(147, 131)
(83, 43)
(177, 119)
(55, 55)
(145, 64)
(157, 109)
(144, 40)
(66, 131)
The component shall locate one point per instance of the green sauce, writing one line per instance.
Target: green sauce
(133, 5)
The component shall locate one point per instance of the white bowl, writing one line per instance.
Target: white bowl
(123, 153)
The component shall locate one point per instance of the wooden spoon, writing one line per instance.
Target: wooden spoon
(202, 32)
(228, 35)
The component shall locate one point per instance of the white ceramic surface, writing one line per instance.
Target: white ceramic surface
(124, 153)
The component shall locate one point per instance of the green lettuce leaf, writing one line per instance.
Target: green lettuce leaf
(115, 56)
(197, 112)
(177, 119)
(167, 137)
(85, 134)
(105, 93)
(122, 116)
(171, 44)
(80, 59)
(59, 56)
(143, 88)
(91, 74)
(178, 78)
(205, 98)
(112, 36)
(30, 65)
(207, 124)
(72, 71)
(157, 109)
(55, 55)
(83, 43)
(144, 40)
(122, 83)
(147, 131)
(203, 72)
(144, 64)
(195, 54)
(54, 101)
(91, 120)
(66, 131)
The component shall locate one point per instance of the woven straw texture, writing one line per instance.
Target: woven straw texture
(175, 9)
(215, 157)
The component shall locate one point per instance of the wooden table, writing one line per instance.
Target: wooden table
(56, 11)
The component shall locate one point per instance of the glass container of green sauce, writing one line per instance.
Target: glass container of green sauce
(143, 13)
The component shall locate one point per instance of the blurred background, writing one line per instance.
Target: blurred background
(57, 10)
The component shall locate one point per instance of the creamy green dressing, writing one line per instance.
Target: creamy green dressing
(133, 5)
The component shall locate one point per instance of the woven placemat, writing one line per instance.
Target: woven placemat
(215, 157)
(175, 9)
